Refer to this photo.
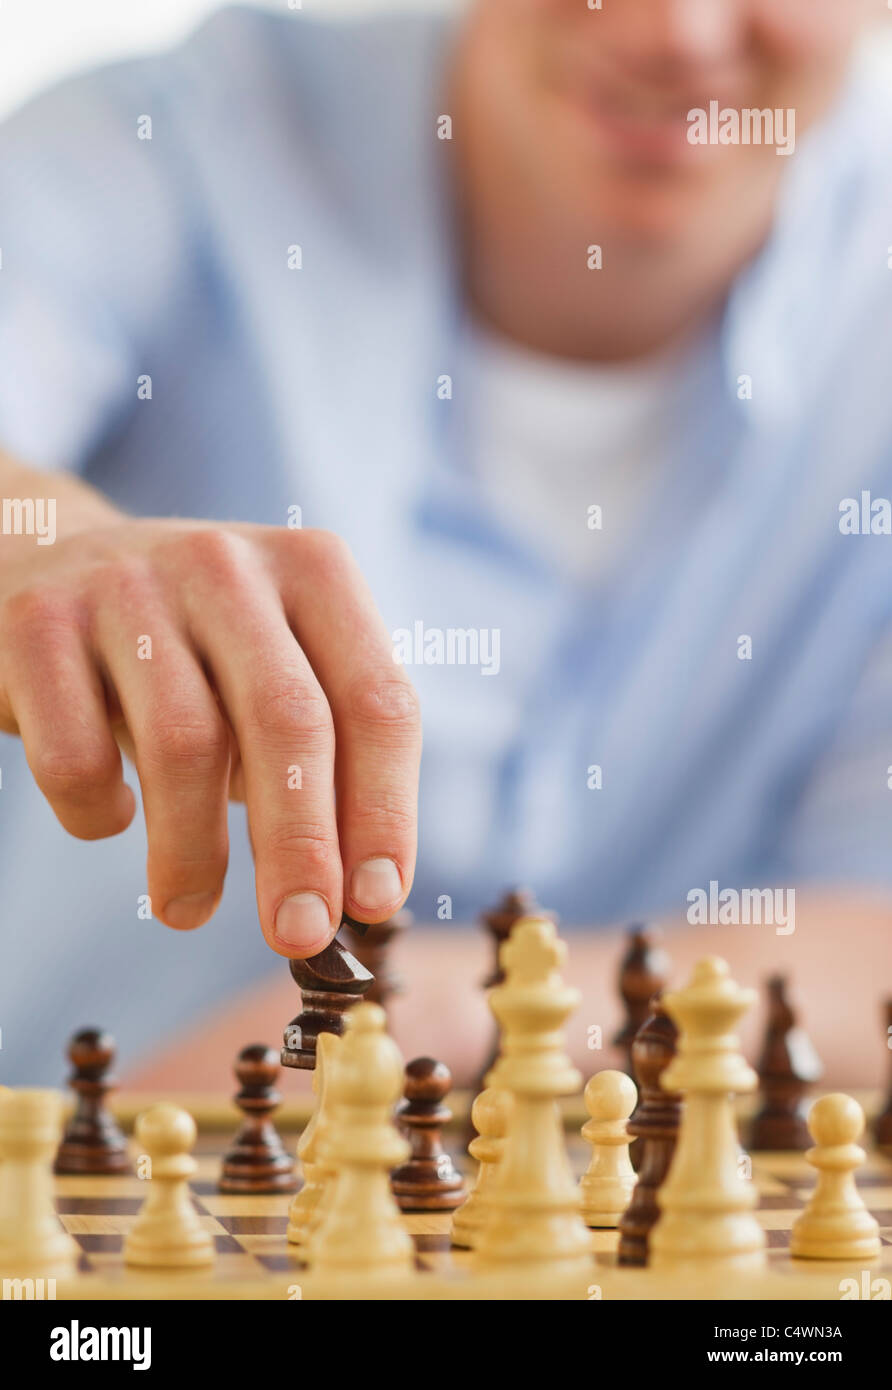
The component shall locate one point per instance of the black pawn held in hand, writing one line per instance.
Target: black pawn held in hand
(429, 1180)
(92, 1141)
(330, 984)
(257, 1161)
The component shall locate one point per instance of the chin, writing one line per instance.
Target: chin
(646, 209)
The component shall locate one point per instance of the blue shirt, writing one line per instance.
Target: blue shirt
(174, 258)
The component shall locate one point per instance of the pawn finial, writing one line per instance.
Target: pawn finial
(489, 1116)
(256, 1160)
(606, 1187)
(428, 1180)
(168, 1231)
(92, 1141)
(836, 1224)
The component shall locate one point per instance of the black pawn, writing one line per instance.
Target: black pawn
(787, 1066)
(429, 1180)
(330, 983)
(655, 1123)
(92, 1142)
(257, 1161)
(643, 972)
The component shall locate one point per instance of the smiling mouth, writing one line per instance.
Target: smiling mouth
(643, 126)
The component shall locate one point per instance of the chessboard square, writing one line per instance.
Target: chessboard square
(279, 1264)
(430, 1242)
(778, 1220)
(226, 1245)
(92, 1223)
(428, 1224)
(787, 1201)
(785, 1165)
(771, 1186)
(254, 1225)
(603, 1241)
(100, 1244)
(70, 1205)
(105, 1188)
(221, 1204)
(876, 1198)
(270, 1245)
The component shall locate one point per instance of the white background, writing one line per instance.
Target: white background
(40, 40)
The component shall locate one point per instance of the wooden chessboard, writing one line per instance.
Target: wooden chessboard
(254, 1260)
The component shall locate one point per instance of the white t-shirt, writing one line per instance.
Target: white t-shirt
(551, 439)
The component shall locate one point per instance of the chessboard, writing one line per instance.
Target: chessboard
(386, 1193)
(255, 1261)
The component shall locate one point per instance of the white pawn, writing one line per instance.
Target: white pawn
(835, 1225)
(32, 1242)
(535, 1225)
(361, 1232)
(168, 1232)
(707, 1218)
(309, 1204)
(606, 1187)
(489, 1116)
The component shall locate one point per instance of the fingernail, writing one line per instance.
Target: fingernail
(189, 911)
(375, 884)
(303, 921)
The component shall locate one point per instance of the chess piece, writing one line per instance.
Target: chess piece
(489, 1115)
(498, 923)
(606, 1187)
(883, 1123)
(306, 1208)
(330, 984)
(168, 1232)
(257, 1161)
(707, 1206)
(428, 1180)
(787, 1066)
(655, 1123)
(643, 972)
(32, 1241)
(836, 1224)
(535, 1223)
(92, 1141)
(373, 951)
(361, 1233)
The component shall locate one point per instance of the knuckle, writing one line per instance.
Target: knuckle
(315, 849)
(286, 707)
(220, 553)
(73, 773)
(40, 609)
(177, 737)
(390, 703)
(326, 551)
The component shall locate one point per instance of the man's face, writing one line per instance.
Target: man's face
(603, 97)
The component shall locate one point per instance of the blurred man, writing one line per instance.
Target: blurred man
(517, 363)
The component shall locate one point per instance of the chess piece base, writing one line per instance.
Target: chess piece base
(81, 1160)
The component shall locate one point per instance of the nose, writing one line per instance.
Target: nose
(681, 34)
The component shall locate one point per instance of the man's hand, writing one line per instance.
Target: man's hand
(228, 660)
